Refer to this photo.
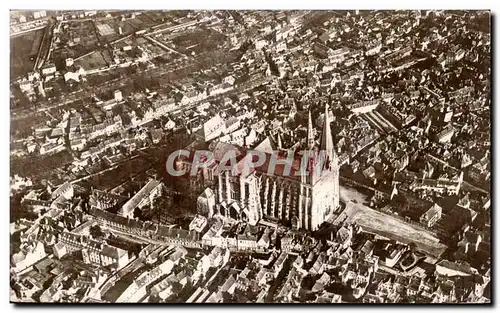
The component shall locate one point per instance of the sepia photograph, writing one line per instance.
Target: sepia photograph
(250, 156)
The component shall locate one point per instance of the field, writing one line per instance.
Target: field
(107, 56)
(109, 30)
(141, 21)
(94, 60)
(199, 41)
(127, 29)
(156, 17)
(387, 226)
(23, 52)
(105, 29)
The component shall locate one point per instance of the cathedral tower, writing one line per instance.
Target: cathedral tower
(325, 184)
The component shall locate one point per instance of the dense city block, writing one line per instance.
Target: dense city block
(391, 107)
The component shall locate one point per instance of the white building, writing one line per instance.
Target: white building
(28, 256)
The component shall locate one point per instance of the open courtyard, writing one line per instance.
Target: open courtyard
(388, 226)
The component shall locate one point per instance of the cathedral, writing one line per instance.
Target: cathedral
(304, 199)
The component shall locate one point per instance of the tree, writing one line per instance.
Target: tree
(159, 207)
(96, 232)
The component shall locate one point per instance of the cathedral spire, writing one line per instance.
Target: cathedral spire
(310, 134)
(326, 135)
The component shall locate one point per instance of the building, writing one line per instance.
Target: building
(104, 200)
(206, 202)
(364, 106)
(479, 173)
(394, 255)
(69, 62)
(29, 255)
(446, 134)
(448, 268)
(211, 129)
(66, 190)
(144, 197)
(71, 77)
(105, 255)
(198, 224)
(39, 14)
(294, 195)
(118, 96)
(431, 216)
(49, 69)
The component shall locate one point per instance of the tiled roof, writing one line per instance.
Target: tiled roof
(138, 197)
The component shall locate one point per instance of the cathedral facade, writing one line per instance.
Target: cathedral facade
(305, 196)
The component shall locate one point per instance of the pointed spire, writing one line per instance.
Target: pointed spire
(326, 135)
(310, 134)
(327, 141)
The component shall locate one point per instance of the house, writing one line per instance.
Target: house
(479, 173)
(77, 144)
(321, 50)
(229, 285)
(59, 250)
(137, 289)
(17, 182)
(372, 298)
(74, 77)
(105, 255)
(48, 69)
(319, 265)
(26, 86)
(169, 124)
(259, 44)
(250, 138)
(218, 257)
(198, 224)
(394, 255)
(344, 236)
(401, 282)
(238, 137)
(431, 216)
(51, 148)
(413, 287)
(39, 14)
